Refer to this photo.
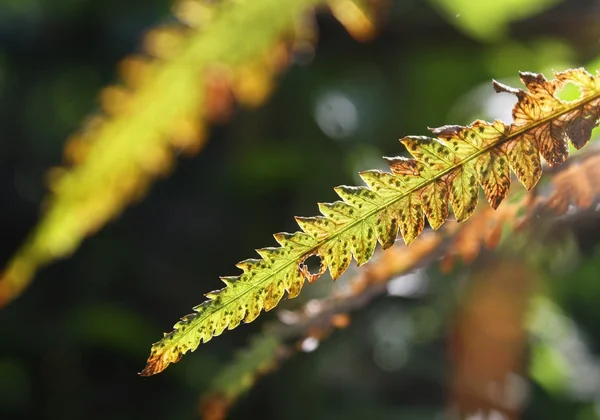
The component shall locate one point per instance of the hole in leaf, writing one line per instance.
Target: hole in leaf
(312, 267)
(569, 92)
(313, 264)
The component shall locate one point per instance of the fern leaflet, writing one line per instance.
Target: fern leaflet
(446, 170)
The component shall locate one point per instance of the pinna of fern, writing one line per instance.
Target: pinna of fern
(444, 172)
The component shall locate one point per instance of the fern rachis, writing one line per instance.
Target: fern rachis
(442, 171)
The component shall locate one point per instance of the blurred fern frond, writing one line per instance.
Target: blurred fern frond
(261, 356)
(190, 75)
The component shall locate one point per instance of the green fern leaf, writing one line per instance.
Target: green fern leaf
(444, 171)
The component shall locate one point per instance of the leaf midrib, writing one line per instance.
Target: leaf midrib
(388, 203)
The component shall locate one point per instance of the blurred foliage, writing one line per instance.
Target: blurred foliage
(189, 76)
(72, 342)
(237, 378)
(489, 20)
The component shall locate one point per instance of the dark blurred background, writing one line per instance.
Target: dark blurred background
(72, 344)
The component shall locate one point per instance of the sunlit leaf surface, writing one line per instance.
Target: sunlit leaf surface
(446, 170)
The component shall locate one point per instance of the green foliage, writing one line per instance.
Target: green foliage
(488, 20)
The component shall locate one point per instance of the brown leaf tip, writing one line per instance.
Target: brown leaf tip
(159, 360)
(501, 87)
(529, 77)
(447, 131)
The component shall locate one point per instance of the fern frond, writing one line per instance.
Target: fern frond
(188, 78)
(444, 171)
(261, 356)
(576, 183)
